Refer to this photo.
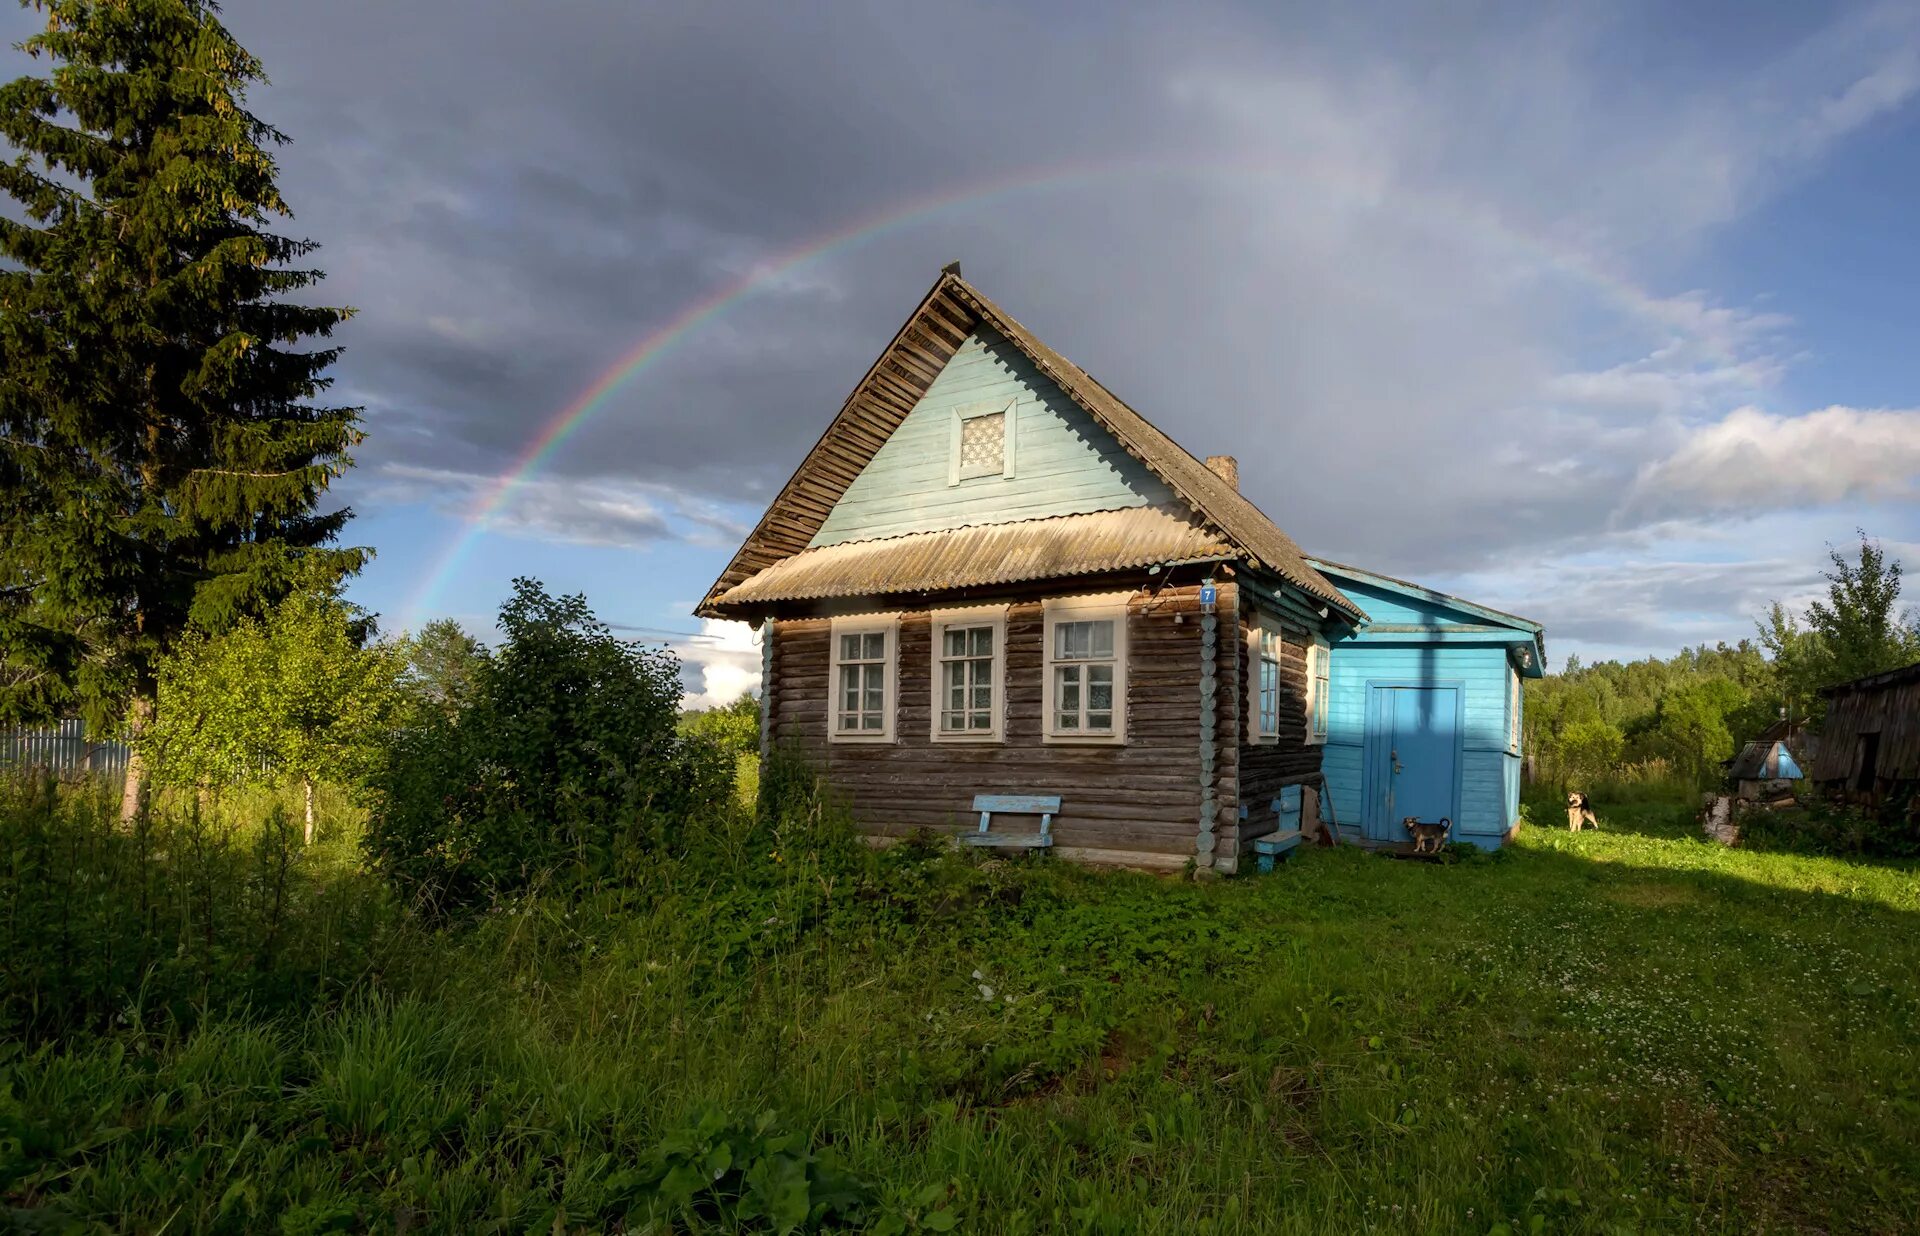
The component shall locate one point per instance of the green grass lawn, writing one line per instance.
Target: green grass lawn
(1629, 1030)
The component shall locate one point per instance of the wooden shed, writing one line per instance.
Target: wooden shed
(1425, 711)
(1870, 742)
(994, 599)
(1770, 764)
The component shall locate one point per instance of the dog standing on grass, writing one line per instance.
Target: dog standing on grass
(1427, 838)
(1580, 812)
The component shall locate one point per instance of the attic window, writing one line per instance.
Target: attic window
(982, 442)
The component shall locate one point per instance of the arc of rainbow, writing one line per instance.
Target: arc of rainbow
(652, 346)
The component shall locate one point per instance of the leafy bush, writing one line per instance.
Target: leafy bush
(751, 1174)
(734, 727)
(1892, 830)
(563, 762)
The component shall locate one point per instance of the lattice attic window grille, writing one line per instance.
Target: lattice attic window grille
(981, 442)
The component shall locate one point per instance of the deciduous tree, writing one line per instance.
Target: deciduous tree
(1860, 629)
(295, 693)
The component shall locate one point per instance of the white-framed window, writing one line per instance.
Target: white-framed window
(864, 674)
(1084, 694)
(1513, 709)
(1318, 674)
(982, 441)
(1265, 659)
(969, 673)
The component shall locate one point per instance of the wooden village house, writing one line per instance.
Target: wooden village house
(995, 600)
(1870, 744)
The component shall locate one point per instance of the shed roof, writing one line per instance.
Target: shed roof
(1525, 630)
(1032, 549)
(951, 311)
(1751, 763)
(1873, 682)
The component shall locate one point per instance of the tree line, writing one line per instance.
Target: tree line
(1678, 719)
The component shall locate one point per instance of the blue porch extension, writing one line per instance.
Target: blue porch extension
(1424, 712)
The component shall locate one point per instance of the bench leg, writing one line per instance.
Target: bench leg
(985, 817)
(1046, 828)
(1265, 862)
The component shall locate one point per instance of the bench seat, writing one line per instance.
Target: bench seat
(1275, 846)
(1042, 805)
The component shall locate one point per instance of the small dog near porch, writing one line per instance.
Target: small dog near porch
(1580, 813)
(1427, 837)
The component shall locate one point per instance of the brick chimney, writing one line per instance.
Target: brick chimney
(1227, 468)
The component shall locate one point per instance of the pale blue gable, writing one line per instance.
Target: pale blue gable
(1063, 463)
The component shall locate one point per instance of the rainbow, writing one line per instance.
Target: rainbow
(657, 343)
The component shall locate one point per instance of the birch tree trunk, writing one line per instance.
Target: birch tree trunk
(133, 788)
(306, 785)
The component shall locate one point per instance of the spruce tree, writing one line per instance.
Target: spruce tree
(162, 448)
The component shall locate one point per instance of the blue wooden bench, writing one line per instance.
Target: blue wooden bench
(1276, 845)
(1014, 804)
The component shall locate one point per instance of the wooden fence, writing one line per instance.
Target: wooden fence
(64, 749)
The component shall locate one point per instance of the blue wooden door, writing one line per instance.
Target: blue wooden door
(1415, 756)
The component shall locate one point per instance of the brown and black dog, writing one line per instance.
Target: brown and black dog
(1580, 812)
(1427, 838)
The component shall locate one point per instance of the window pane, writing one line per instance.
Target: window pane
(1066, 697)
(849, 647)
(953, 641)
(1100, 687)
(1100, 638)
(980, 641)
(874, 646)
(1099, 720)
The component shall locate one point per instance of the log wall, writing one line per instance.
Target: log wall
(1265, 768)
(1137, 803)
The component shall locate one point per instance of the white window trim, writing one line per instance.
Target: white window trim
(1082, 609)
(994, 616)
(1513, 710)
(967, 412)
(1319, 656)
(860, 624)
(1256, 727)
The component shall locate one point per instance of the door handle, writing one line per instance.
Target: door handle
(1398, 768)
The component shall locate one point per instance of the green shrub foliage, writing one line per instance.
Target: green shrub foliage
(563, 763)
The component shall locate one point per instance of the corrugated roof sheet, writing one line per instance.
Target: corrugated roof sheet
(987, 554)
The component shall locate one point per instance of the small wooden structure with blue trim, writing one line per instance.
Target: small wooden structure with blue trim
(1043, 805)
(1424, 712)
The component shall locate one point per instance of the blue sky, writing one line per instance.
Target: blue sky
(1599, 314)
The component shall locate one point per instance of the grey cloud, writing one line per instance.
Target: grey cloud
(1376, 254)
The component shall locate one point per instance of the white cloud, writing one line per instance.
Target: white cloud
(726, 655)
(1753, 460)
